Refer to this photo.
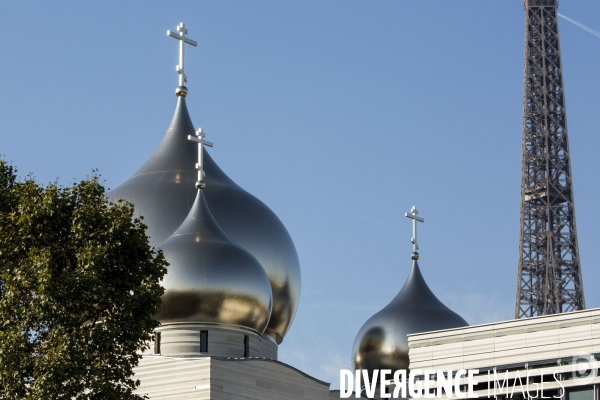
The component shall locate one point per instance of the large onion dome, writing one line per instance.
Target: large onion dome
(382, 342)
(211, 279)
(162, 190)
(252, 225)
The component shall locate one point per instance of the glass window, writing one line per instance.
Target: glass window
(580, 393)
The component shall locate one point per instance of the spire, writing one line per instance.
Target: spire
(549, 277)
(200, 165)
(181, 90)
(413, 215)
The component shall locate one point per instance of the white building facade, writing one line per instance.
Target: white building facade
(558, 352)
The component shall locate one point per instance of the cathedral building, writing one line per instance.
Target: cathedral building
(233, 287)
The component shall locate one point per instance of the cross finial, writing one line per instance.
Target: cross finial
(199, 138)
(181, 91)
(413, 215)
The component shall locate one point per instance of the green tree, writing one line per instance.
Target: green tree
(79, 286)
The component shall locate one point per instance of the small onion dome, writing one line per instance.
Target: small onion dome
(162, 190)
(210, 279)
(382, 342)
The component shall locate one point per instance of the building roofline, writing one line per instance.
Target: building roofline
(518, 322)
(243, 359)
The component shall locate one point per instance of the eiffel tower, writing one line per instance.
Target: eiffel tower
(549, 280)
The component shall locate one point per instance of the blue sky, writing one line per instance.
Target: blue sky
(339, 115)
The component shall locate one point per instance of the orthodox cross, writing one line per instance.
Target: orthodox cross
(413, 215)
(182, 41)
(199, 138)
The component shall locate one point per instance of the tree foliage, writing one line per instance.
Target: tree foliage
(79, 286)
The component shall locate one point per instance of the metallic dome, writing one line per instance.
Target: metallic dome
(210, 279)
(382, 342)
(162, 190)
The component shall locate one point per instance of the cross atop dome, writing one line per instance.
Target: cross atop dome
(181, 90)
(199, 138)
(413, 215)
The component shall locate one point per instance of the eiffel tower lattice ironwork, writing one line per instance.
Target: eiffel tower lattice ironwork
(549, 279)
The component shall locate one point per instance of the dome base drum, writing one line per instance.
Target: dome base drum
(195, 340)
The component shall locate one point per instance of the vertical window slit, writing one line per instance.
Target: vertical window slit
(246, 346)
(203, 341)
(157, 343)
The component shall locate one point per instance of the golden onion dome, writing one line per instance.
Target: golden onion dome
(210, 279)
(162, 191)
(382, 342)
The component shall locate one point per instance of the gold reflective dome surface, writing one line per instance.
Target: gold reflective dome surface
(162, 190)
(211, 279)
(382, 342)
